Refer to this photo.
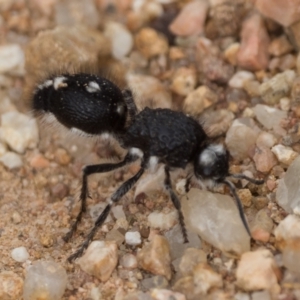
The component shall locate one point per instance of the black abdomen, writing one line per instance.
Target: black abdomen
(86, 102)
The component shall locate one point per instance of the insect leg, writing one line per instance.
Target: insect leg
(176, 203)
(88, 170)
(118, 194)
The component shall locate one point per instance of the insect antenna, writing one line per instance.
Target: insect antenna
(238, 203)
(252, 180)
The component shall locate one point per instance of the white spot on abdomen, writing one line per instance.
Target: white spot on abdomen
(58, 82)
(120, 109)
(93, 87)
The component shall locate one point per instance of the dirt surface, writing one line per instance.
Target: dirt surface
(173, 67)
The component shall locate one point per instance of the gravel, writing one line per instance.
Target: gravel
(233, 66)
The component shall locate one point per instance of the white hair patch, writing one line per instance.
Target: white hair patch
(217, 148)
(58, 82)
(105, 136)
(136, 151)
(49, 118)
(207, 157)
(45, 84)
(153, 162)
(79, 131)
(93, 87)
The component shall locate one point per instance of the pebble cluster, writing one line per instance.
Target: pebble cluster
(232, 65)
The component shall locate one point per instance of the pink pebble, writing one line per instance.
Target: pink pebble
(190, 20)
(253, 53)
(285, 12)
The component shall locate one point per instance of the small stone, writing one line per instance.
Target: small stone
(186, 286)
(11, 160)
(60, 190)
(46, 240)
(162, 294)
(288, 191)
(74, 12)
(62, 157)
(20, 254)
(12, 59)
(262, 226)
(190, 20)
(39, 162)
(118, 212)
(263, 295)
(288, 229)
(238, 79)
(65, 46)
(151, 43)
(258, 271)
(231, 53)
(245, 196)
(115, 235)
(285, 155)
(205, 278)
(121, 223)
(294, 36)
(266, 139)
(120, 37)
(129, 261)
(216, 122)
(163, 221)
(198, 100)
(3, 148)
(19, 131)
(155, 257)
(175, 53)
(137, 295)
(241, 130)
(277, 87)
(285, 104)
(281, 11)
(177, 245)
(157, 281)
(260, 202)
(269, 117)
(253, 53)
(287, 62)
(225, 18)
(287, 240)
(211, 66)
(241, 296)
(280, 46)
(149, 91)
(11, 286)
(45, 280)
(215, 218)
(190, 259)
(100, 259)
(296, 88)
(133, 238)
(264, 159)
(184, 81)
(16, 217)
(252, 88)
